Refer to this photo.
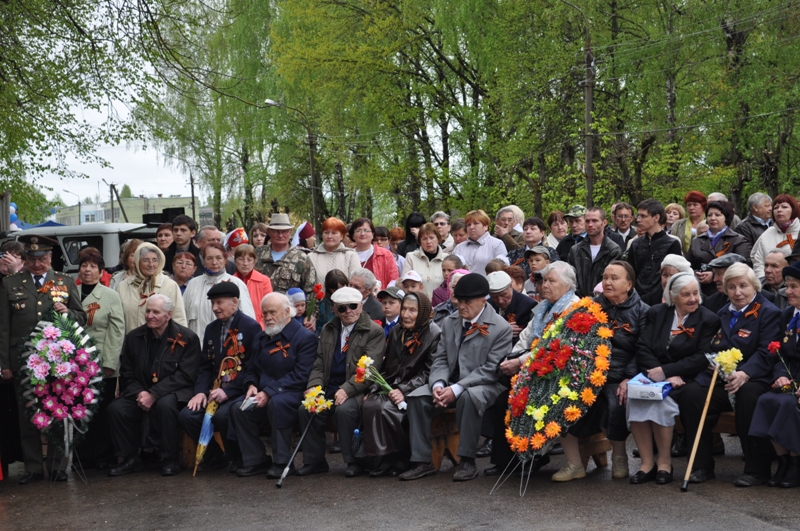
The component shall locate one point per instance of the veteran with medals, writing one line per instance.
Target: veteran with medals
(26, 298)
(277, 373)
(226, 351)
(158, 368)
(749, 323)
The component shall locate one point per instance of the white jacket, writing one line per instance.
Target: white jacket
(769, 241)
(198, 307)
(343, 258)
(429, 270)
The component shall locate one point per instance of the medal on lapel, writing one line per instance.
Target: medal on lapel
(744, 333)
(155, 378)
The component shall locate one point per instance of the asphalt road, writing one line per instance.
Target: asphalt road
(219, 500)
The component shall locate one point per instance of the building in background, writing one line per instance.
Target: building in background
(135, 208)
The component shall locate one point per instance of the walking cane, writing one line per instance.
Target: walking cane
(685, 486)
(285, 473)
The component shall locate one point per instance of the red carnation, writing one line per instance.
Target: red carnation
(774, 347)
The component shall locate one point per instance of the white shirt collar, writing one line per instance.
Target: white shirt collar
(44, 277)
(745, 306)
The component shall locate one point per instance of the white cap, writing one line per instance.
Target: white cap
(346, 296)
(678, 262)
(498, 281)
(411, 275)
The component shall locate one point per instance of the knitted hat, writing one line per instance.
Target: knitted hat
(296, 295)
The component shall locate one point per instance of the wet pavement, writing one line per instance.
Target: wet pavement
(220, 500)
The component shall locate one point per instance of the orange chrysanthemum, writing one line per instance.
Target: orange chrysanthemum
(585, 302)
(552, 430)
(599, 314)
(598, 379)
(537, 441)
(509, 435)
(588, 396)
(508, 417)
(602, 351)
(601, 363)
(520, 444)
(572, 413)
(605, 332)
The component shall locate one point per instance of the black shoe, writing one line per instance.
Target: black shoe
(315, 468)
(419, 471)
(235, 465)
(131, 464)
(783, 464)
(335, 448)
(494, 470)
(466, 471)
(792, 477)
(701, 475)
(399, 468)
(353, 471)
(276, 471)
(678, 446)
(663, 477)
(255, 470)
(382, 470)
(750, 480)
(58, 475)
(30, 477)
(485, 450)
(171, 468)
(556, 449)
(538, 463)
(643, 477)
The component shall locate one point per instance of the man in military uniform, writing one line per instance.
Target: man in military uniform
(286, 266)
(25, 299)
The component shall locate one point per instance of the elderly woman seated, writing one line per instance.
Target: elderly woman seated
(749, 323)
(406, 366)
(776, 416)
(558, 293)
(672, 347)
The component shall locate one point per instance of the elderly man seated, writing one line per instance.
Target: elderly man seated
(463, 376)
(348, 336)
(277, 373)
(158, 368)
(226, 347)
(513, 306)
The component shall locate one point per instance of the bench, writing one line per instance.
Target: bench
(725, 424)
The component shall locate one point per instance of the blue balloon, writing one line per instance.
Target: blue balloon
(13, 218)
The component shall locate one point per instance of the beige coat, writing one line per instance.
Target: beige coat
(429, 270)
(134, 290)
(106, 324)
(342, 258)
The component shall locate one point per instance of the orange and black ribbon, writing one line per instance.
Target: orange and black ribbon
(144, 297)
(413, 343)
(482, 329)
(519, 261)
(511, 318)
(174, 341)
(624, 326)
(788, 241)
(753, 311)
(346, 344)
(280, 347)
(683, 330)
(724, 250)
(233, 340)
(90, 311)
(46, 287)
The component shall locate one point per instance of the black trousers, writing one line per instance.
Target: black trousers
(97, 445)
(192, 423)
(346, 417)
(757, 451)
(501, 451)
(248, 425)
(130, 424)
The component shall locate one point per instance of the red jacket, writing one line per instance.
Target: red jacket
(382, 265)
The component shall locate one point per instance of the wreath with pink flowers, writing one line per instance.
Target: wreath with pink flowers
(61, 380)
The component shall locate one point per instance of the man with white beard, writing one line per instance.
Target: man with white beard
(276, 376)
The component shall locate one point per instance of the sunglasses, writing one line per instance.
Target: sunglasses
(344, 307)
(441, 223)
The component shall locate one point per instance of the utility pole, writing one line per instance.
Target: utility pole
(191, 182)
(121, 208)
(111, 197)
(312, 149)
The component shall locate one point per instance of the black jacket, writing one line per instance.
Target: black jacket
(175, 367)
(566, 245)
(590, 272)
(646, 255)
(169, 256)
(701, 252)
(373, 308)
(685, 355)
(520, 310)
(617, 238)
(628, 320)
(790, 350)
(245, 329)
(751, 229)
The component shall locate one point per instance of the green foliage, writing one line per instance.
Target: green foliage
(126, 192)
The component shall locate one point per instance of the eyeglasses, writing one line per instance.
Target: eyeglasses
(149, 261)
(363, 231)
(442, 223)
(344, 307)
(181, 263)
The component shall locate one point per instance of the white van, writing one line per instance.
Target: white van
(105, 237)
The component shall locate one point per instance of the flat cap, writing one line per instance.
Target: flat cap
(346, 296)
(727, 260)
(498, 281)
(223, 289)
(472, 286)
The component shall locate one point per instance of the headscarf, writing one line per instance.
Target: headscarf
(147, 285)
(410, 338)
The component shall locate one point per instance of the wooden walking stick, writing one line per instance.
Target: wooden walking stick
(685, 486)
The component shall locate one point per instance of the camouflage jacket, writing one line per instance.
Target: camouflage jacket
(294, 270)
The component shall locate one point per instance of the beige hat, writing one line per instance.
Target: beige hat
(411, 275)
(280, 222)
(346, 296)
(498, 281)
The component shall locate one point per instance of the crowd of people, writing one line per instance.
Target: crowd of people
(447, 310)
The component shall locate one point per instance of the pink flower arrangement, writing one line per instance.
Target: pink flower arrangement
(82, 357)
(66, 346)
(79, 411)
(88, 396)
(63, 369)
(41, 420)
(51, 333)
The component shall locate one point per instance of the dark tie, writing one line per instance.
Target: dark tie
(735, 317)
(222, 338)
(793, 323)
(39, 279)
(466, 327)
(387, 329)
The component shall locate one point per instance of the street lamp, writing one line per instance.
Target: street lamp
(312, 148)
(80, 218)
